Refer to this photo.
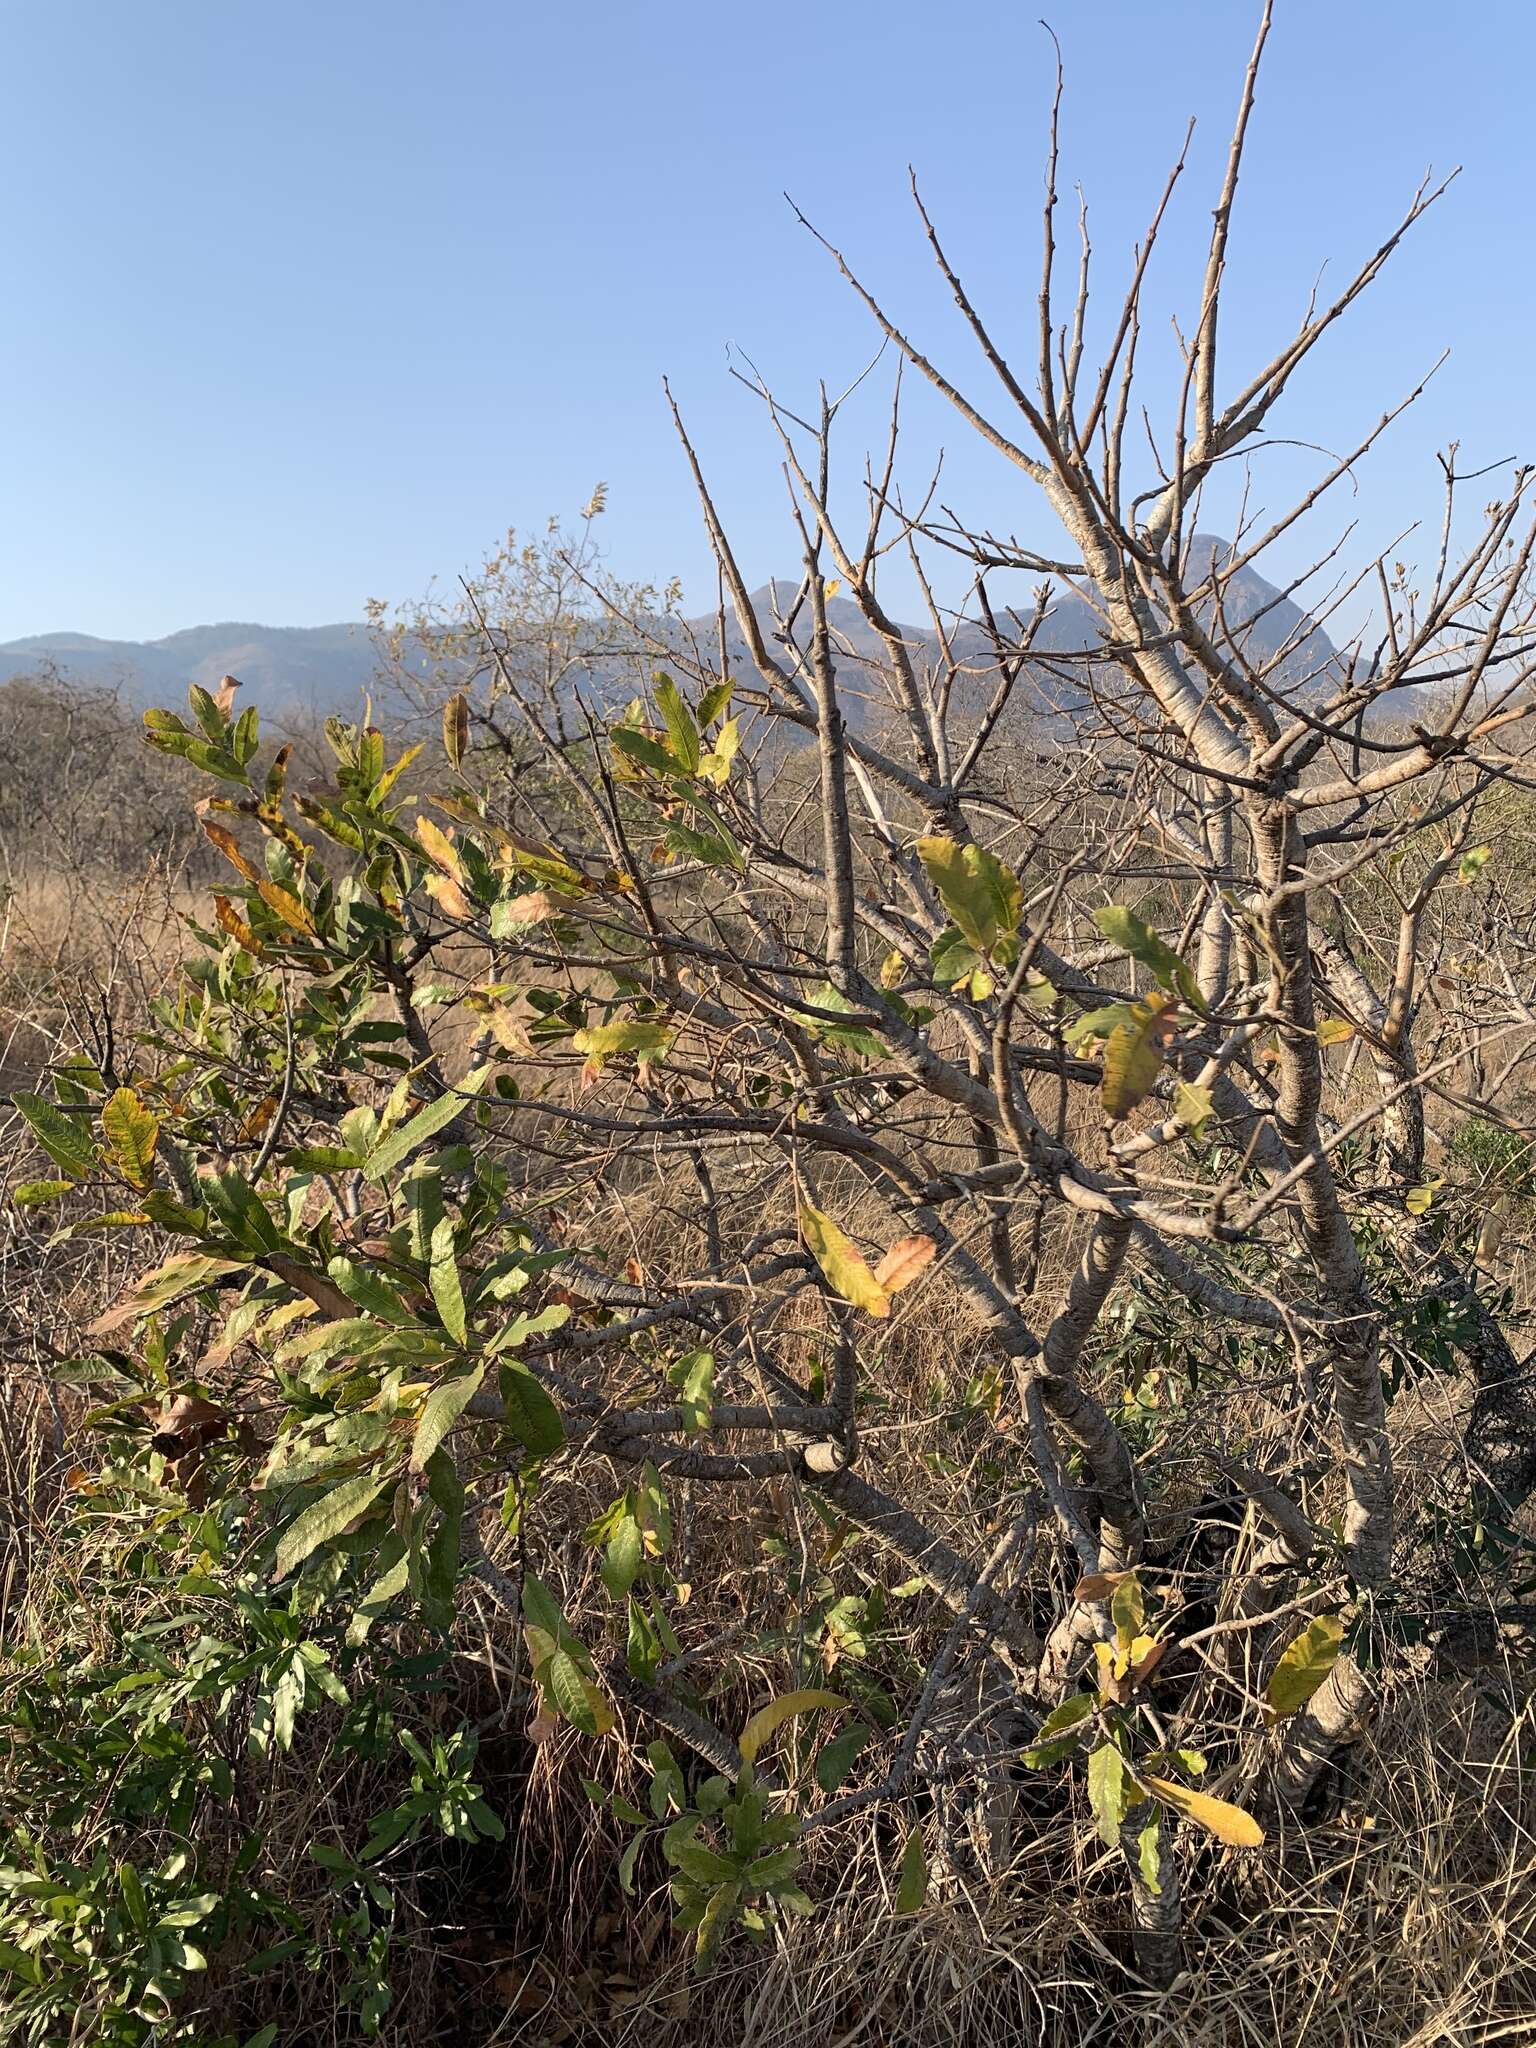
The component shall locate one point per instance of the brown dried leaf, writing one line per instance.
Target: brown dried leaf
(903, 1262)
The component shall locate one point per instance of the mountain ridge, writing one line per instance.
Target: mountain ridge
(328, 668)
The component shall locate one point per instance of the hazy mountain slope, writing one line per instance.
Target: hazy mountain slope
(328, 668)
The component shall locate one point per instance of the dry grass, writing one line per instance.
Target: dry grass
(1406, 1919)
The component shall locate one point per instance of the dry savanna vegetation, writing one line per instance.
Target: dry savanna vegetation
(800, 1336)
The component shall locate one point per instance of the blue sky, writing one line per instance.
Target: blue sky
(309, 300)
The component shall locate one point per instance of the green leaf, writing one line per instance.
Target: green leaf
(982, 896)
(713, 1923)
(400, 1144)
(1126, 1610)
(838, 1757)
(678, 719)
(32, 1194)
(1101, 1023)
(1193, 1106)
(1110, 1791)
(912, 1884)
(64, 1138)
(642, 749)
(573, 1694)
(768, 1720)
(532, 1416)
(326, 1519)
(624, 1558)
(1124, 928)
(1304, 1664)
(439, 1412)
(236, 1204)
(369, 1290)
(844, 1265)
(1148, 1857)
(694, 1378)
(953, 958)
(713, 702)
(646, 1038)
(132, 1133)
(447, 1289)
(1472, 863)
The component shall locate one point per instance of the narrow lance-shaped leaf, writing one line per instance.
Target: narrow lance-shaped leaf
(440, 1411)
(1124, 928)
(767, 1720)
(327, 1518)
(410, 1137)
(1227, 1823)
(912, 1883)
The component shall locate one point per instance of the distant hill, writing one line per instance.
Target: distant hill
(284, 668)
(291, 669)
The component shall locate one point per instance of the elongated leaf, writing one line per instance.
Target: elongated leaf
(694, 1378)
(410, 1137)
(647, 752)
(64, 1138)
(573, 1694)
(1304, 1664)
(439, 848)
(456, 727)
(678, 719)
(1149, 1857)
(981, 895)
(161, 1287)
(1123, 927)
(767, 1720)
(912, 1884)
(1227, 1823)
(440, 1411)
(447, 1289)
(327, 1518)
(532, 1416)
(1110, 1791)
(847, 1272)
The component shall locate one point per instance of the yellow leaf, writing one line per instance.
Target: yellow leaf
(1133, 1053)
(230, 920)
(439, 848)
(1227, 1823)
(445, 892)
(132, 1132)
(981, 895)
(1304, 1664)
(287, 906)
(1334, 1030)
(456, 727)
(227, 844)
(844, 1265)
(767, 1720)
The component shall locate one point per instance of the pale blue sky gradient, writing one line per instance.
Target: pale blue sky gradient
(309, 300)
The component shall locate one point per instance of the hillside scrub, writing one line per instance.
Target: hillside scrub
(731, 1371)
